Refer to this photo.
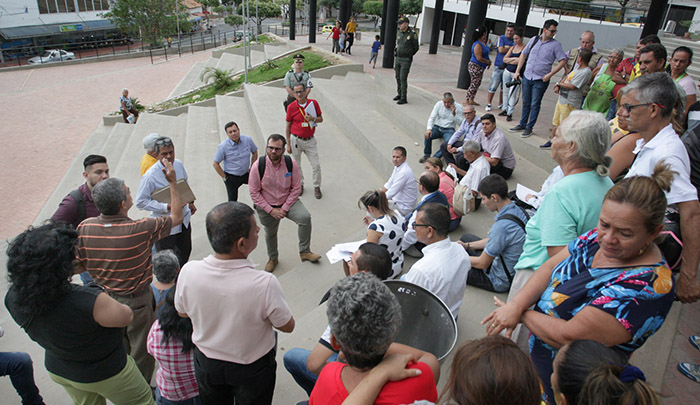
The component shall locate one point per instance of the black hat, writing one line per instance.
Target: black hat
(298, 56)
(403, 20)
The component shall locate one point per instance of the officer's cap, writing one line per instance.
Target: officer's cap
(298, 56)
(403, 20)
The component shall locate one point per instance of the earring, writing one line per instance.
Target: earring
(642, 250)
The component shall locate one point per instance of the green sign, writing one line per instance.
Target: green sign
(71, 27)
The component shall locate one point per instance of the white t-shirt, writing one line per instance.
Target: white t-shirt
(443, 271)
(233, 308)
(666, 145)
(478, 169)
(688, 85)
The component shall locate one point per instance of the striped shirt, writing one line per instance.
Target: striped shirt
(175, 375)
(116, 250)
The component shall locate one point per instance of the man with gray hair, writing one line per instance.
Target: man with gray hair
(129, 112)
(479, 167)
(470, 128)
(149, 158)
(648, 111)
(116, 251)
(587, 42)
(443, 120)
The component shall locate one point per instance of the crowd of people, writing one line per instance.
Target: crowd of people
(587, 277)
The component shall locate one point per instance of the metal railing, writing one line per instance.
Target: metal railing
(188, 43)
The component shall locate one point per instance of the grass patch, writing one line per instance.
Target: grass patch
(262, 39)
(267, 72)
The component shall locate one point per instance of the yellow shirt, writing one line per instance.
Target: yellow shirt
(635, 73)
(146, 162)
(351, 27)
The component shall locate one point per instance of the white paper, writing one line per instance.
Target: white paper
(522, 192)
(343, 251)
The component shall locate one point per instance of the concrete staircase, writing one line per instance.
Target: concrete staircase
(361, 126)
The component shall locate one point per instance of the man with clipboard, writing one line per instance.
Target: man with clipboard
(303, 115)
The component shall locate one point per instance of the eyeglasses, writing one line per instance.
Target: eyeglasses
(274, 149)
(418, 225)
(630, 107)
(164, 141)
(469, 112)
(298, 91)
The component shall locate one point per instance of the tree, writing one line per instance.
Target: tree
(153, 19)
(234, 20)
(329, 5)
(220, 78)
(373, 8)
(266, 9)
(411, 7)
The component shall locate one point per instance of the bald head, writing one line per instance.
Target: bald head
(429, 181)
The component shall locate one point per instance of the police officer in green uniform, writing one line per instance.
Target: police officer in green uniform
(406, 47)
(297, 75)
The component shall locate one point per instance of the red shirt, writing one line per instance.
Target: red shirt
(330, 390)
(625, 66)
(297, 116)
(336, 33)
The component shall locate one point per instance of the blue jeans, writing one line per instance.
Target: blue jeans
(511, 93)
(85, 278)
(612, 111)
(533, 91)
(162, 401)
(18, 366)
(438, 132)
(295, 363)
(496, 79)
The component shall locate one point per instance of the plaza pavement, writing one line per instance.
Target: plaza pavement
(73, 98)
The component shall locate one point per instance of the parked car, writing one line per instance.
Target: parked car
(327, 28)
(52, 55)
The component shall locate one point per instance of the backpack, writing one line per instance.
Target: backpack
(520, 222)
(262, 162)
(80, 204)
(463, 200)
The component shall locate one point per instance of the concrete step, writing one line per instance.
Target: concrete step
(229, 61)
(188, 80)
(201, 140)
(233, 108)
(197, 82)
(257, 57)
(277, 49)
(73, 177)
(265, 106)
(113, 148)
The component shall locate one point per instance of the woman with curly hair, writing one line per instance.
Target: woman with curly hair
(170, 343)
(80, 327)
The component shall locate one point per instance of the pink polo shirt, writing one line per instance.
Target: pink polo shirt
(278, 188)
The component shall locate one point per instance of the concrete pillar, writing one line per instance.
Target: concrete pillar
(312, 21)
(523, 11)
(655, 17)
(382, 29)
(460, 23)
(477, 16)
(343, 12)
(292, 19)
(392, 16)
(435, 32)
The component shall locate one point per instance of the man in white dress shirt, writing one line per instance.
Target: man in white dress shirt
(445, 117)
(470, 128)
(180, 239)
(479, 167)
(445, 265)
(401, 189)
(648, 111)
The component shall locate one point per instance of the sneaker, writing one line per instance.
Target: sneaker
(509, 118)
(500, 106)
(546, 145)
(317, 193)
(488, 107)
(402, 101)
(695, 341)
(503, 113)
(423, 159)
(690, 370)
(397, 98)
(526, 133)
(517, 128)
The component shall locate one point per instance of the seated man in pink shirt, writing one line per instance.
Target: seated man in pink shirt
(234, 310)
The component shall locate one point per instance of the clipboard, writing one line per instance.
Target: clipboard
(186, 194)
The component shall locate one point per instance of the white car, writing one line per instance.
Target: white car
(52, 55)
